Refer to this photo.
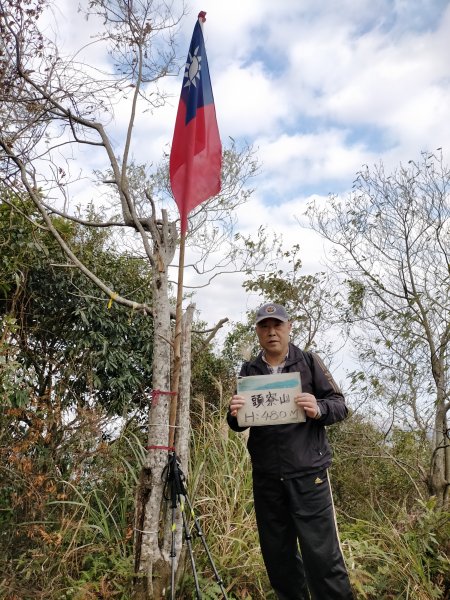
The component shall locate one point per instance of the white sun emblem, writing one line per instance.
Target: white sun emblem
(193, 68)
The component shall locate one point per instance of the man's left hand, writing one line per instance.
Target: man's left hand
(309, 404)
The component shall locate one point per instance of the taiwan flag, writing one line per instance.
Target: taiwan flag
(196, 155)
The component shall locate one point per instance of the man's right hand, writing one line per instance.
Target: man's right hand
(236, 403)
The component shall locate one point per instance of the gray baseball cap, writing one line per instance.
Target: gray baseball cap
(271, 311)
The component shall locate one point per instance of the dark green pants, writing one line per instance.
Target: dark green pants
(298, 513)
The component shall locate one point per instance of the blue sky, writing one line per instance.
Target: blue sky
(319, 88)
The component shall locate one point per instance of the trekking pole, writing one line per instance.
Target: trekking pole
(175, 480)
(188, 538)
(173, 505)
(201, 535)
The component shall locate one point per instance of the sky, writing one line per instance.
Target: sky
(319, 89)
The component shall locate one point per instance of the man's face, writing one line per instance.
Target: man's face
(273, 335)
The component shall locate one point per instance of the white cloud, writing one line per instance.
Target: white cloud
(323, 159)
(248, 103)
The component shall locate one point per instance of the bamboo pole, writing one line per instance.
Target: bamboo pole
(177, 344)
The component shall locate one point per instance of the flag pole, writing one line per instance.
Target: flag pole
(177, 343)
(195, 166)
(194, 169)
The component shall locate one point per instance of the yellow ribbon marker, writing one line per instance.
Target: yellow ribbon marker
(111, 300)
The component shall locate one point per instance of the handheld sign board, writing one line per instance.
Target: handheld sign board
(269, 399)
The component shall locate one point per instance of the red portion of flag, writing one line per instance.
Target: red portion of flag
(195, 161)
(196, 156)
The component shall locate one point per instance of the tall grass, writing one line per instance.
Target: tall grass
(402, 559)
(220, 487)
(82, 549)
(100, 548)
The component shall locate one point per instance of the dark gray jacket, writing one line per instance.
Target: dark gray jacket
(285, 451)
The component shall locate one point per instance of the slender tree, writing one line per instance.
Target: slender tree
(391, 241)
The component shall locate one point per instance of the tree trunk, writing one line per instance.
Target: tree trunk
(151, 562)
(439, 474)
(439, 477)
(183, 413)
(182, 435)
(153, 526)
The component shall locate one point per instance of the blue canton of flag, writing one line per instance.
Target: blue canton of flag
(197, 90)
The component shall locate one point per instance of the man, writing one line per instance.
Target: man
(292, 496)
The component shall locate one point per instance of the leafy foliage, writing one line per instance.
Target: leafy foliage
(71, 361)
(72, 538)
(371, 469)
(93, 350)
(212, 377)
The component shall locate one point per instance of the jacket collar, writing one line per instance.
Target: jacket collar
(294, 355)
